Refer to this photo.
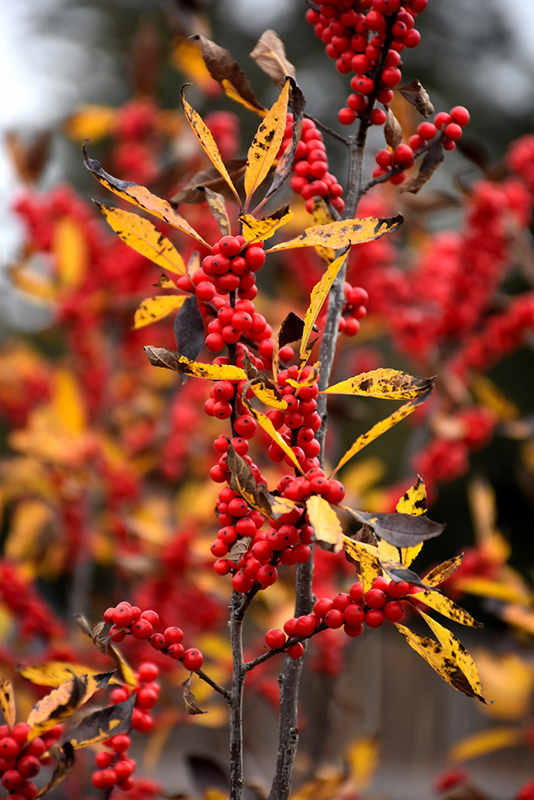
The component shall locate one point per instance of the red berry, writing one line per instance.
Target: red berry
(20, 732)
(334, 618)
(142, 629)
(151, 616)
(148, 672)
(173, 635)
(192, 659)
(119, 743)
(229, 246)
(374, 618)
(453, 131)
(295, 650)
(29, 766)
(267, 575)
(393, 611)
(375, 598)
(12, 779)
(354, 615)
(104, 779)
(460, 115)
(9, 748)
(346, 116)
(275, 638)
(176, 650)
(322, 606)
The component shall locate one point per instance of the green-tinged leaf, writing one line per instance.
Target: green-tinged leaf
(218, 209)
(54, 673)
(140, 196)
(153, 309)
(265, 423)
(143, 237)
(65, 761)
(290, 331)
(256, 230)
(400, 530)
(266, 143)
(338, 234)
(7, 702)
(170, 359)
(443, 571)
(381, 427)
(318, 295)
(325, 522)
(366, 557)
(413, 501)
(483, 742)
(389, 384)
(444, 605)
(226, 71)
(205, 137)
(461, 658)
(101, 725)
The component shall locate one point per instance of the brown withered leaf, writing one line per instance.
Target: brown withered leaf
(227, 72)
(238, 549)
(101, 724)
(291, 329)
(400, 530)
(29, 159)
(431, 161)
(416, 94)
(241, 478)
(161, 357)
(392, 130)
(164, 282)
(65, 757)
(95, 632)
(191, 704)
(257, 375)
(218, 209)
(192, 193)
(270, 55)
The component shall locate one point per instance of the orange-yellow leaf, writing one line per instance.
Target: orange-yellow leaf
(27, 526)
(141, 197)
(268, 396)
(154, 308)
(186, 57)
(143, 237)
(325, 522)
(388, 384)
(255, 230)
(54, 673)
(362, 757)
(205, 137)
(381, 427)
(30, 282)
(318, 295)
(62, 702)
(498, 590)
(68, 402)
(266, 143)
(90, 122)
(70, 248)
(7, 703)
(339, 234)
(483, 742)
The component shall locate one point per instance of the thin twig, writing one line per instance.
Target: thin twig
(327, 129)
(214, 685)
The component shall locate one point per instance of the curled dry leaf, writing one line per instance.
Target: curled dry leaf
(431, 161)
(210, 178)
(191, 704)
(416, 94)
(270, 55)
(392, 130)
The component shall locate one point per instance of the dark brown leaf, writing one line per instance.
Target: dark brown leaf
(65, 757)
(209, 178)
(30, 159)
(189, 329)
(400, 530)
(227, 72)
(291, 329)
(392, 130)
(238, 549)
(431, 161)
(270, 55)
(415, 93)
(101, 724)
(96, 632)
(191, 704)
(256, 375)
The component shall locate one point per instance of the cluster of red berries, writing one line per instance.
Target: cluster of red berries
(350, 611)
(354, 309)
(356, 40)
(127, 619)
(392, 164)
(21, 760)
(310, 165)
(34, 616)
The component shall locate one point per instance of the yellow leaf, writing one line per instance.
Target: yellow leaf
(318, 295)
(62, 702)
(381, 427)
(54, 673)
(33, 283)
(170, 359)
(268, 396)
(231, 92)
(461, 658)
(444, 605)
(205, 137)
(266, 143)
(265, 423)
(186, 57)
(491, 396)
(143, 237)
(409, 554)
(28, 522)
(389, 384)
(508, 679)
(498, 590)
(388, 554)
(339, 234)
(255, 230)
(367, 557)
(518, 616)
(90, 122)
(413, 501)
(123, 668)
(140, 196)
(484, 742)
(442, 571)
(153, 309)
(69, 246)
(7, 703)
(67, 402)
(325, 522)
(362, 759)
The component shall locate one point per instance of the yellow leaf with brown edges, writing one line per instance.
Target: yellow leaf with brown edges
(381, 427)
(325, 522)
(266, 143)
(366, 556)
(205, 137)
(153, 309)
(170, 359)
(339, 234)
(7, 703)
(140, 196)
(487, 741)
(268, 396)
(62, 702)
(388, 384)
(318, 295)
(143, 237)
(256, 230)
(70, 248)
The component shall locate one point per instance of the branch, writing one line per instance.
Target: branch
(214, 685)
(235, 699)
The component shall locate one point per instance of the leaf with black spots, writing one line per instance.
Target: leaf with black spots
(266, 144)
(152, 309)
(191, 704)
(342, 232)
(189, 329)
(62, 702)
(431, 161)
(65, 757)
(401, 530)
(416, 94)
(7, 702)
(170, 359)
(263, 387)
(291, 330)
(101, 725)
(255, 230)
(388, 384)
(284, 167)
(413, 501)
(226, 71)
